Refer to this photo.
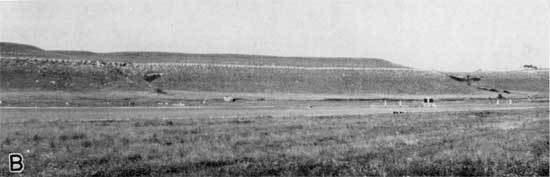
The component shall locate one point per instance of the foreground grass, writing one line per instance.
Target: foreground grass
(443, 144)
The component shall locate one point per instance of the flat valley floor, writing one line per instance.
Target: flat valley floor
(280, 138)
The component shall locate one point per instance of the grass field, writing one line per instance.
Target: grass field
(470, 143)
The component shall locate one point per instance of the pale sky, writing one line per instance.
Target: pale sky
(446, 35)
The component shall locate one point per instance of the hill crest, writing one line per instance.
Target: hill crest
(23, 50)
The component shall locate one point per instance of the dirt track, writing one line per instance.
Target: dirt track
(15, 114)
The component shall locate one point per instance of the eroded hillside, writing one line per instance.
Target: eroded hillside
(30, 68)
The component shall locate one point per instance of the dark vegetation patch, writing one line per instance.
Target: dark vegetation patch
(160, 91)
(483, 113)
(147, 123)
(336, 117)
(72, 136)
(104, 122)
(240, 121)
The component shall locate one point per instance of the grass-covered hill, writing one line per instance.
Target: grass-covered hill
(14, 49)
(31, 68)
(72, 75)
(22, 50)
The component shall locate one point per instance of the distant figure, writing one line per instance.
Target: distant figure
(429, 102)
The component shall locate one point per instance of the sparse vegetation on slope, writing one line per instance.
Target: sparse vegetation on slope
(206, 78)
(113, 71)
(516, 80)
(39, 74)
(51, 75)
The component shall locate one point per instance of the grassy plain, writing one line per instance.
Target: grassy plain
(470, 143)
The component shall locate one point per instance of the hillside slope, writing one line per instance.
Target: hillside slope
(51, 75)
(45, 71)
(72, 75)
(24, 50)
(537, 81)
(13, 50)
